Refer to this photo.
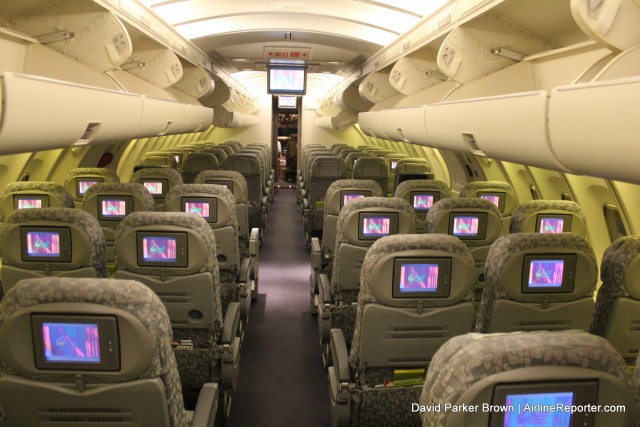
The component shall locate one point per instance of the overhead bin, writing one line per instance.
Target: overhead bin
(95, 36)
(195, 82)
(404, 124)
(350, 100)
(483, 46)
(508, 127)
(340, 121)
(625, 64)
(413, 73)
(232, 119)
(41, 114)
(371, 123)
(376, 87)
(154, 63)
(612, 23)
(594, 128)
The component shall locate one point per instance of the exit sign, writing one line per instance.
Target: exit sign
(287, 53)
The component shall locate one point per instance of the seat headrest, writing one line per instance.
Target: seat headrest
(221, 214)
(357, 215)
(220, 154)
(245, 163)
(140, 337)
(406, 188)
(370, 168)
(168, 176)
(197, 162)
(531, 267)
(49, 194)
(469, 367)
(328, 167)
(620, 275)
(53, 239)
(410, 263)
(78, 180)
(352, 157)
(477, 222)
(142, 199)
(171, 243)
(159, 158)
(548, 216)
(333, 199)
(499, 191)
(413, 165)
(232, 179)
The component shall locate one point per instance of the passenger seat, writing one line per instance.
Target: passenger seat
(79, 180)
(502, 194)
(91, 352)
(415, 294)
(158, 180)
(194, 163)
(538, 282)
(548, 216)
(421, 195)
(373, 168)
(33, 194)
(500, 374)
(59, 242)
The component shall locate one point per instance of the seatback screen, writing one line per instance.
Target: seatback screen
(84, 184)
(468, 226)
(162, 249)
(372, 226)
(349, 195)
(30, 201)
(49, 244)
(553, 223)
(71, 342)
(421, 277)
(206, 207)
(548, 273)
(225, 182)
(112, 209)
(497, 198)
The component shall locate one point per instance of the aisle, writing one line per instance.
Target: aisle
(282, 381)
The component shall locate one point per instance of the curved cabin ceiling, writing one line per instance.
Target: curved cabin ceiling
(337, 36)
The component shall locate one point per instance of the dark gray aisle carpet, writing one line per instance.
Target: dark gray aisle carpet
(282, 381)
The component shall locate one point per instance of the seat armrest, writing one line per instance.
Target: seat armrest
(305, 204)
(303, 193)
(231, 323)
(324, 287)
(206, 406)
(245, 266)
(316, 253)
(254, 253)
(340, 355)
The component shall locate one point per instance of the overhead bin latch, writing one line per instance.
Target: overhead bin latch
(507, 53)
(470, 141)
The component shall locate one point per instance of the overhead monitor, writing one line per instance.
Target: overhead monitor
(348, 195)
(286, 80)
(206, 207)
(372, 226)
(497, 198)
(545, 404)
(162, 249)
(83, 184)
(46, 244)
(423, 200)
(76, 342)
(548, 223)
(421, 277)
(30, 201)
(468, 225)
(114, 208)
(548, 273)
(287, 101)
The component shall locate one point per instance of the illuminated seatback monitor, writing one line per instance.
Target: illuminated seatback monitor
(497, 198)
(114, 208)
(421, 201)
(76, 342)
(548, 273)
(206, 207)
(158, 187)
(30, 201)
(421, 277)
(83, 184)
(468, 225)
(372, 226)
(348, 195)
(545, 404)
(162, 249)
(45, 244)
(551, 223)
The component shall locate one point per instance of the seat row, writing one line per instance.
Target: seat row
(193, 262)
(415, 294)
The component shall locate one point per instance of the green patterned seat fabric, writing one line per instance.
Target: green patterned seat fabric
(464, 360)
(132, 188)
(374, 168)
(530, 207)
(319, 183)
(88, 224)
(406, 187)
(60, 196)
(128, 295)
(194, 163)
